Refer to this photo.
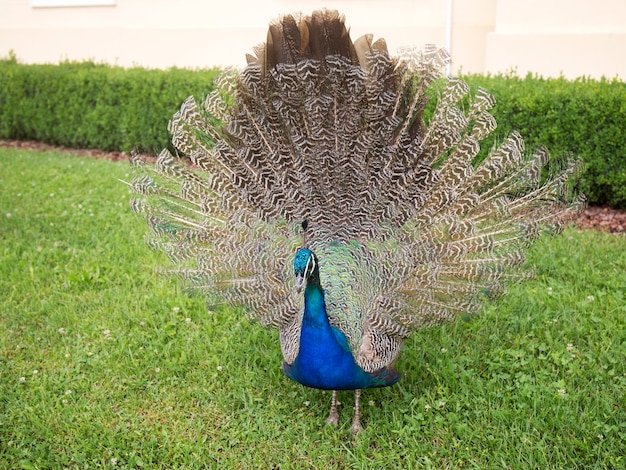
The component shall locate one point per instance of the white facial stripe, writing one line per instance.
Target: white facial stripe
(310, 266)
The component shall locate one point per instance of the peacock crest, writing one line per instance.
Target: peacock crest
(316, 160)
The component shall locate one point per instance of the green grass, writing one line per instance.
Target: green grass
(103, 363)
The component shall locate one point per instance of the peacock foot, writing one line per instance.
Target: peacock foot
(355, 428)
(333, 418)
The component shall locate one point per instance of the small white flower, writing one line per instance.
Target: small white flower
(67, 355)
(549, 290)
(187, 320)
(35, 372)
(591, 298)
(570, 347)
(107, 334)
(113, 461)
(219, 368)
(444, 350)
(89, 354)
(68, 392)
(23, 380)
(64, 401)
(157, 370)
(372, 403)
(142, 323)
(176, 309)
(427, 406)
(562, 392)
(600, 436)
(61, 331)
(307, 403)
(8, 214)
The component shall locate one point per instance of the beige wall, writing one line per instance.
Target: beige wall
(553, 37)
(548, 37)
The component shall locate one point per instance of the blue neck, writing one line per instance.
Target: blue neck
(324, 359)
(315, 307)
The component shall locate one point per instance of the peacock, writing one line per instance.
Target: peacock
(341, 195)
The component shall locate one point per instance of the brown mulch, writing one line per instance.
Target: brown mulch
(604, 219)
(39, 146)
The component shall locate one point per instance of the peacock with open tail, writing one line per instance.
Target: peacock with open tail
(314, 193)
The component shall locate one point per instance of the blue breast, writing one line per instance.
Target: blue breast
(324, 359)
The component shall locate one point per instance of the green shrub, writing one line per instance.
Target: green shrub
(89, 105)
(583, 117)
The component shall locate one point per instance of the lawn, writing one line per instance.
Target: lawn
(104, 363)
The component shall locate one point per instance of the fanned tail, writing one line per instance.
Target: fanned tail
(410, 230)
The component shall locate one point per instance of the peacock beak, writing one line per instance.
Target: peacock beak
(300, 280)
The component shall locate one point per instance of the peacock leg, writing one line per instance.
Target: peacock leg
(333, 417)
(356, 421)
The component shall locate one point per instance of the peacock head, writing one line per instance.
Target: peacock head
(305, 267)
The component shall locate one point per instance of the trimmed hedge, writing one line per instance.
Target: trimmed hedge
(583, 117)
(87, 105)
